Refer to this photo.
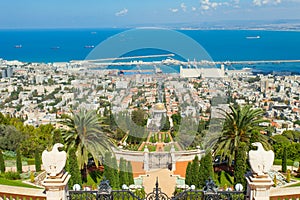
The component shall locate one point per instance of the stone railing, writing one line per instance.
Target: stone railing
(39, 179)
(285, 193)
(14, 193)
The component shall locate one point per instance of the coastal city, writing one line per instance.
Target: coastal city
(150, 100)
(39, 93)
(160, 121)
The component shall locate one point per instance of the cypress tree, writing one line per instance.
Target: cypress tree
(209, 169)
(73, 169)
(123, 173)
(115, 172)
(111, 170)
(240, 165)
(165, 123)
(2, 163)
(195, 171)
(206, 170)
(107, 174)
(130, 174)
(19, 161)
(188, 174)
(201, 177)
(284, 163)
(37, 160)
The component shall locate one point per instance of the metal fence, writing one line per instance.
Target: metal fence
(105, 192)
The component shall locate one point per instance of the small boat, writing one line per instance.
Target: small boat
(93, 32)
(253, 37)
(18, 46)
(89, 46)
(55, 48)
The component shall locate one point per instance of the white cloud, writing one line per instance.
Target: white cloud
(194, 8)
(205, 7)
(122, 12)
(266, 2)
(173, 10)
(183, 7)
(207, 4)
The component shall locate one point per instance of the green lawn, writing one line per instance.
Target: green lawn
(294, 185)
(17, 183)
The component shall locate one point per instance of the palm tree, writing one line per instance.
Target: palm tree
(238, 126)
(85, 133)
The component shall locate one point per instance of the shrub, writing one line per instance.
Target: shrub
(288, 176)
(140, 193)
(30, 161)
(12, 175)
(2, 163)
(31, 177)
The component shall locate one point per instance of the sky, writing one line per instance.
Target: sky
(128, 13)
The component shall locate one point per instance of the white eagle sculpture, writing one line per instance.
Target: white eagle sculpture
(260, 160)
(54, 161)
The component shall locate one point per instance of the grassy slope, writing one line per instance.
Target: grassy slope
(17, 183)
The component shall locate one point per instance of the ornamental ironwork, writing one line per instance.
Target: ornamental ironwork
(105, 192)
(157, 194)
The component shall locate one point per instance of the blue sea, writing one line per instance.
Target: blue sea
(222, 45)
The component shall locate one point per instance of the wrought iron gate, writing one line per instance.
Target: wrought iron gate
(159, 160)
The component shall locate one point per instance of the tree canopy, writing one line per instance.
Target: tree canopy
(85, 134)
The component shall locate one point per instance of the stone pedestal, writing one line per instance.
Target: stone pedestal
(56, 187)
(258, 187)
(173, 158)
(146, 159)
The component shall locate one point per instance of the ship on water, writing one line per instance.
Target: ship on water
(89, 46)
(253, 37)
(18, 46)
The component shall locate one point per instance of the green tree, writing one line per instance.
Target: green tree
(176, 118)
(165, 123)
(279, 143)
(284, 162)
(10, 137)
(73, 168)
(111, 170)
(240, 166)
(195, 171)
(37, 160)
(57, 137)
(108, 173)
(188, 174)
(130, 174)
(115, 183)
(206, 170)
(138, 117)
(238, 126)
(123, 175)
(2, 163)
(3, 119)
(19, 161)
(85, 134)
